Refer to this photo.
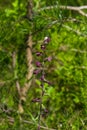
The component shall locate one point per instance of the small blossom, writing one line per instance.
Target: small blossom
(42, 78)
(45, 113)
(46, 110)
(48, 59)
(46, 40)
(43, 47)
(38, 64)
(48, 82)
(38, 53)
(37, 71)
(36, 100)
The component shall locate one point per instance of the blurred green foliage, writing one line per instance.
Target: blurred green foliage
(66, 98)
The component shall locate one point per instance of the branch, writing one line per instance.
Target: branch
(75, 31)
(11, 119)
(14, 64)
(30, 69)
(45, 128)
(80, 51)
(29, 58)
(67, 27)
(74, 8)
(4, 82)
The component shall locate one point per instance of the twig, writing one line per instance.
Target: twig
(67, 27)
(4, 82)
(14, 64)
(80, 51)
(46, 128)
(14, 58)
(74, 8)
(76, 31)
(81, 67)
(11, 119)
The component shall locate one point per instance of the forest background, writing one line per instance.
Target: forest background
(43, 65)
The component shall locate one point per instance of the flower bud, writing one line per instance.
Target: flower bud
(36, 100)
(38, 53)
(38, 64)
(48, 58)
(42, 78)
(43, 47)
(37, 71)
(46, 40)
